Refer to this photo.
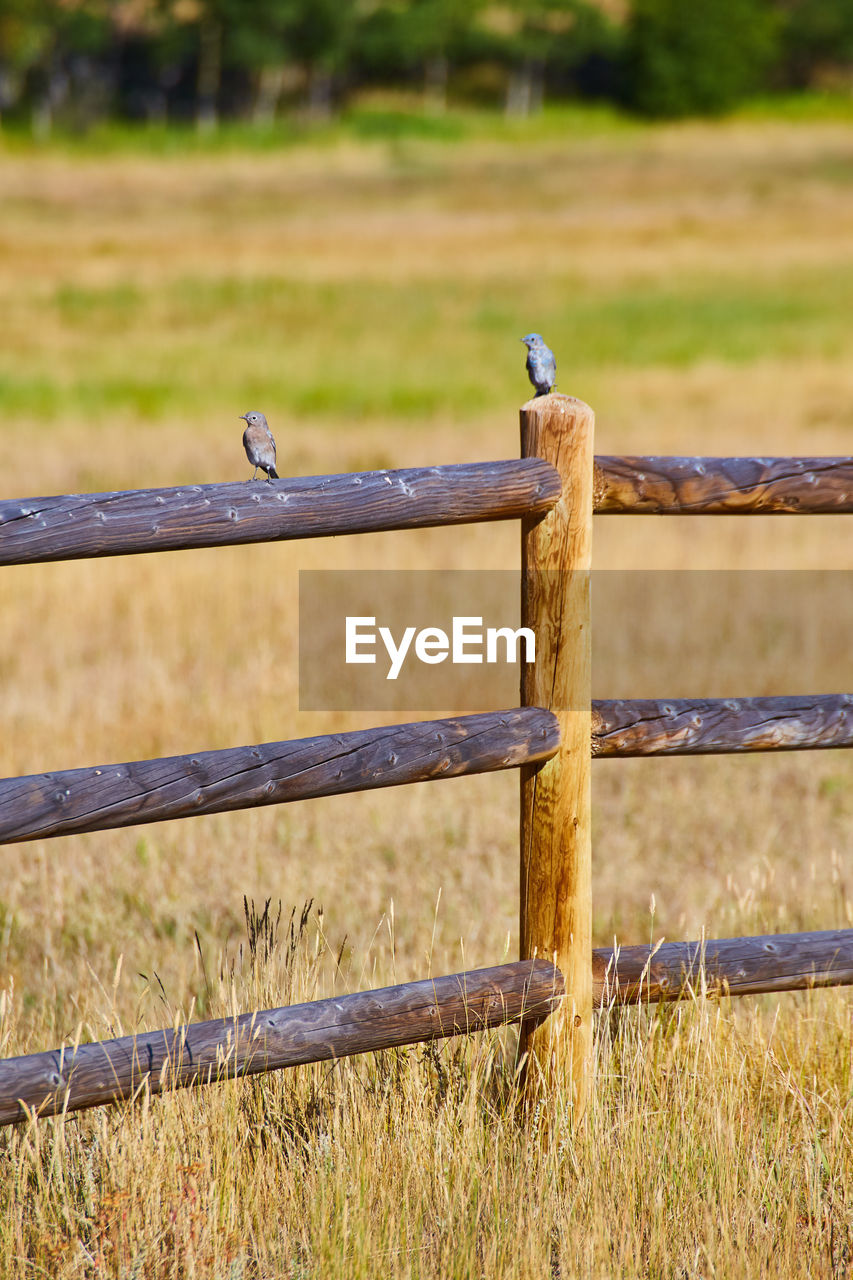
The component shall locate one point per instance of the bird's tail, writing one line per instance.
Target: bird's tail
(273, 474)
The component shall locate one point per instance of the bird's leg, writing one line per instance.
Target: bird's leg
(254, 473)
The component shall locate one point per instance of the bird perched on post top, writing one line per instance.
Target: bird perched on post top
(259, 444)
(541, 365)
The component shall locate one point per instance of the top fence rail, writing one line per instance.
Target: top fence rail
(81, 526)
(216, 515)
(723, 486)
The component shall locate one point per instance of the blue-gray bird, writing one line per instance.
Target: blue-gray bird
(541, 365)
(259, 444)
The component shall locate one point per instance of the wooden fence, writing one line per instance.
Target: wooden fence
(554, 489)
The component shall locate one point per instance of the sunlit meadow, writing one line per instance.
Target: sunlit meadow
(368, 294)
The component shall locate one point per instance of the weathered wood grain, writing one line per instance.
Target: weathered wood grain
(723, 486)
(555, 829)
(107, 796)
(77, 526)
(736, 966)
(58, 804)
(215, 515)
(71, 1079)
(715, 726)
(89, 1075)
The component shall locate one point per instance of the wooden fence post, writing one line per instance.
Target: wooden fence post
(556, 891)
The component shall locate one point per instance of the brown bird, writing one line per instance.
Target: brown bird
(259, 444)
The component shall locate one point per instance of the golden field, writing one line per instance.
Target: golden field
(695, 283)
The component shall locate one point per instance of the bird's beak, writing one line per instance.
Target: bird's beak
(244, 416)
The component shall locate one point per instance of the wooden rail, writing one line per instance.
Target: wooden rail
(714, 726)
(723, 486)
(91, 1074)
(77, 1077)
(72, 801)
(58, 804)
(734, 966)
(216, 515)
(79, 526)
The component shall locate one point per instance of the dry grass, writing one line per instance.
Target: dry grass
(694, 282)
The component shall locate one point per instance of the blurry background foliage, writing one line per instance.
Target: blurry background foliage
(75, 63)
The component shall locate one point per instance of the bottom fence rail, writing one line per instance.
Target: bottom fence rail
(87, 1075)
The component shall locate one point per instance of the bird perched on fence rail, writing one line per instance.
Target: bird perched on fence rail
(259, 444)
(541, 365)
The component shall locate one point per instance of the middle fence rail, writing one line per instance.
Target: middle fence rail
(104, 797)
(720, 726)
(96, 799)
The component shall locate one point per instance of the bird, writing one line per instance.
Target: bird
(259, 444)
(541, 365)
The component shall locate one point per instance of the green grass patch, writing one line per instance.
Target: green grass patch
(809, 107)
(381, 349)
(393, 118)
(389, 120)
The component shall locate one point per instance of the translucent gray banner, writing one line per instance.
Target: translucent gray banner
(432, 640)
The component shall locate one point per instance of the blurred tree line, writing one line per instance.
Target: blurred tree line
(75, 62)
